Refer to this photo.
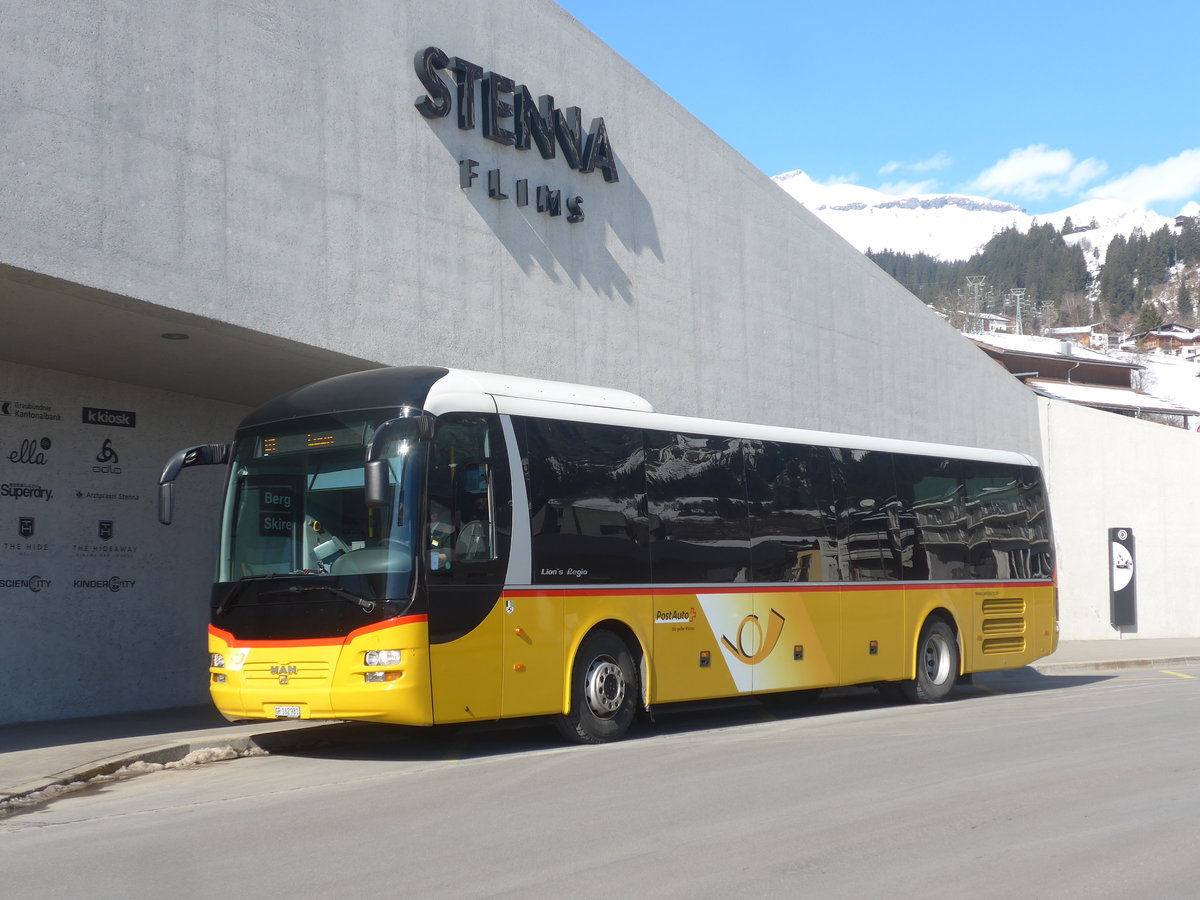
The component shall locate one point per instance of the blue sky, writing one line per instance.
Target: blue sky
(1043, 104)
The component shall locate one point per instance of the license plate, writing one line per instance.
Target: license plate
(287, 712)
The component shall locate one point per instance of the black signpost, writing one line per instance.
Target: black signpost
(1122, 578)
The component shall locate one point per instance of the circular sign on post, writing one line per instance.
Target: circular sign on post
(1122, 567)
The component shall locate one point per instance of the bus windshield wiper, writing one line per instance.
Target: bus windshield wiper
(236, 591)
(367, 605)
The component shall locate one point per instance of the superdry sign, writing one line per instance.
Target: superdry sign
(509, 116)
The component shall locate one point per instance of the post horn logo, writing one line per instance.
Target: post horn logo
(759, 649)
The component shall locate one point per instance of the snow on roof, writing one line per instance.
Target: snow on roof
(1179, 332)
(1043, 346)
(1107, 397)
(1173, 377)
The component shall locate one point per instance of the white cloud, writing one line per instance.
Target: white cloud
(909, 188)
(935, 162)
(1177, 178)
(1035, 172)
(932, 164)
(852, 178)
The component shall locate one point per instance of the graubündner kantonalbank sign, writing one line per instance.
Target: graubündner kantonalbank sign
(509, 116)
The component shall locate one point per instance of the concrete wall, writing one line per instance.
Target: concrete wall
(1107, 471)
(261, 166)
(95, 624)
(262, 163)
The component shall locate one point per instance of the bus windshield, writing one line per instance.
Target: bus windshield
(296, 509)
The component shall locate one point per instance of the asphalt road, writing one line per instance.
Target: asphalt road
(1022, 786)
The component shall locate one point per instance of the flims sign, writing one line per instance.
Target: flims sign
(509, 116)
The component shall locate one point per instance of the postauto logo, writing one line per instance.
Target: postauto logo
(674, 615)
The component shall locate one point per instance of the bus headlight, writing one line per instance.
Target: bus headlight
(216, 661)
(383, 658)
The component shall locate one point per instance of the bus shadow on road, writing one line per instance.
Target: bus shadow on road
(1027, 680)
(400, 743)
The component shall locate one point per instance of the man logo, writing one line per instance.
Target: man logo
(759, 649)
(25, 526)
(106, 529)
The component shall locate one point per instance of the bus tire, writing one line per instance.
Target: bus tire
(604, 691)
(937, 664)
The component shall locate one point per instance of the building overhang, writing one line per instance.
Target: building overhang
(55, 324)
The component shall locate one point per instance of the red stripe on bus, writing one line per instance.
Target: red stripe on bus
(316, 642)
(780, 588)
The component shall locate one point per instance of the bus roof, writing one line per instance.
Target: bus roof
(440, 390)
(583, 403)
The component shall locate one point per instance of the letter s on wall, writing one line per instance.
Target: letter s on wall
(427, 62)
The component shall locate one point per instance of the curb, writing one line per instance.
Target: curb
(42, 790)
(1101, 665)
(160, 755)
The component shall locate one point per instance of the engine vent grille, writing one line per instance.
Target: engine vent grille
(1004, 606)
(1004, 645)
(1003, 625)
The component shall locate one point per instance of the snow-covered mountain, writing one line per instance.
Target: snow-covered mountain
(955, 226)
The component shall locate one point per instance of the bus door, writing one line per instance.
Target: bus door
(705, 637)
(469, 519)
(795, 635)
(873, 645)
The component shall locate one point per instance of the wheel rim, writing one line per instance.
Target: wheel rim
(937, 659)
(604, 687)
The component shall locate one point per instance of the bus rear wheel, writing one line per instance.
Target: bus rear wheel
(604, 691)
(937, 664)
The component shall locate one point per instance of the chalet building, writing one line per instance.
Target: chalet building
(1064, 370)
(1172, 339)
(1095, 337)
(991, 323)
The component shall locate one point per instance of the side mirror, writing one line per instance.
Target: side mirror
(375, 482)
(166, 502)
(201, 455)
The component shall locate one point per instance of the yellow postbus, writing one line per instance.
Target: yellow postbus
(427, 545)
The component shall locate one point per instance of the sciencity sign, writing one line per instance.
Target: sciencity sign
(509, 116)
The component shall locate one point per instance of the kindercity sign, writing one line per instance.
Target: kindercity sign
(510, 117)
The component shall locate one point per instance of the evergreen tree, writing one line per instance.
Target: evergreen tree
(1116, 278)
(1149, 318)
(1184, 300)
(1188, 242)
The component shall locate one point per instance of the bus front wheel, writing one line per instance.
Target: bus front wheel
(604, 691)
(937, 664)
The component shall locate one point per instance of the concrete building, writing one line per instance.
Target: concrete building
(203, 205)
